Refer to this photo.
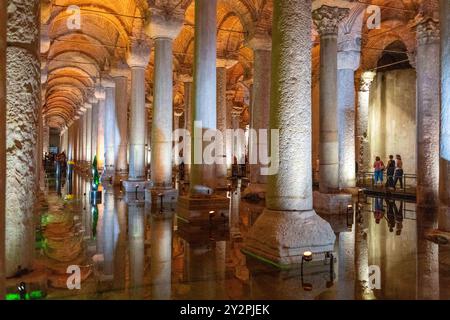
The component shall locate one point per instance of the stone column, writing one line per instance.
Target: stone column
(201, 203)
(23, 99)
(260, 109)
(289, 226)
(177, 116)
(238, 138)
(100, 95)
(110, 124)
(163, 30)
(349, 53)
(187, 122)
(45, 138)
(362, 121)
(94, 129)
(121, 131)
(88, 126)
(221, 167)
(428, 112)
(204, 113)
(137, 60)
(444, 9)
(3, 17)
(326, 20)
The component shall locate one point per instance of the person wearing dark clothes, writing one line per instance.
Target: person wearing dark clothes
(398, 176)
(391, 214)
(390, 171)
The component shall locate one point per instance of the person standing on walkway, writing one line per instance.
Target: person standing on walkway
(390, 171)
(398, 171)
(378, 165)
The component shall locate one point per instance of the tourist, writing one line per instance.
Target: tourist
(379, 168)
(398, 171)
(390, 171)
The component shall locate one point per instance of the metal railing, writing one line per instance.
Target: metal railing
(367, 179)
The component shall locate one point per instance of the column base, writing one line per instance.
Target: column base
(120, 177)
(350, 190)
(136, 186)
(203, 208)
(133, 198)
(168, 196)
(281, 237)
(255, 191)
(331, 203)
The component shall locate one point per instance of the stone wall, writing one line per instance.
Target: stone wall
(392, 117)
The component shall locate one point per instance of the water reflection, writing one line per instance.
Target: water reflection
(140, 252)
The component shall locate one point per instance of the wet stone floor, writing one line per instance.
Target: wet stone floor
(126, 249)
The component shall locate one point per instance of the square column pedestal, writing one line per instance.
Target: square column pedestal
(281, 237)
(203, 208)
(160, 195)
(131, 186)
(331, 203)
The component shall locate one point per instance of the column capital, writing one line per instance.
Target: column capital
(87, 105)
(108, 82)
(139, 53)
(178, 112)
(226, 63)
(100, 92)
(427, 30)
(120, 69)
(366, 80)
(260, 42)
(327, 19)
(93, 100)
(161, 24)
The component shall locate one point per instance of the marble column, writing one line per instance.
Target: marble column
(444, 9)
(289, 225)
(260, 109)
(2, 143)
(137, 60)
(23, 99)
(121, 131)
(187, 122)
(88, 126)
(349, 53)
(221, 167)
(204, 95)
(110, 125)
(45, 138)
(94, 129)
(428, 112)
(362, 121)
(238, 138)
(100, 95)
(327, 20)
(163, 30)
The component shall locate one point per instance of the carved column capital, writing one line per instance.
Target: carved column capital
(327, 19)
(161, 24)
(427, 31)
(366, 80)
(139, 53)
(260, 42)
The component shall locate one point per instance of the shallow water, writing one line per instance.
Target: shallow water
(135, 251)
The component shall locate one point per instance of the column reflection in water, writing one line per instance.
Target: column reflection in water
(362, 289)
(235, 231)
(136, 228)
(110, 233)
(121, 246)
(346, 266)
(427, 256)
(161, 258)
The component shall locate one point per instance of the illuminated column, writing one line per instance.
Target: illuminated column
(94, 129)
(110, 123)
(177, 114)
(238, 140)
(204, 96)
(428, 112)
(161, 258)
(327, 20)
(362, 121)
(221, 168)
(88, 126)
(163, 30)
(187, 120)
(260, 113)
(45, 138)
(137, 60)
(23, 102)
(120, 75)
(100, 95)
(349, 53)
(289, 226)
(229, 138)
(110, 232)
(2, 143)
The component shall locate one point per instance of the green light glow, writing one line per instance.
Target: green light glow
(34, 295)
